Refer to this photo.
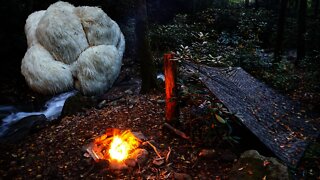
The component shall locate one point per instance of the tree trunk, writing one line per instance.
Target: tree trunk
(246, 3)
(271, 4)
(256, 4)
(147, 67)
(315, 6)
(281, 22)
(301, 50)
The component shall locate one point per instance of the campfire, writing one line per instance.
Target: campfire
(119, 148)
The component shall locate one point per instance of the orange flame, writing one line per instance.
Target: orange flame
(122, 145)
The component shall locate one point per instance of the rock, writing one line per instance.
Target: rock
(76, 104)
(181, 176)
(228, 156)
(140, 155)
(252, 165)
(130, 162)
(6, 111)
(20, 129)
(129, 92)
(115, 165)
(102, 104)
(140, 136)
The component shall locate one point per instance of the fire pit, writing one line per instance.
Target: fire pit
(119, 148)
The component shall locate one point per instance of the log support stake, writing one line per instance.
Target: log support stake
(170, 72)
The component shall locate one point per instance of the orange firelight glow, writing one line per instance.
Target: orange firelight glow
(121, 146)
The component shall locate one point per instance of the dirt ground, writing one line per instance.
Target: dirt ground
(57, 151)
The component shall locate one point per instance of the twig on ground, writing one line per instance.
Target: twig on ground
(155, 149)
(167, 157)
(176, 131)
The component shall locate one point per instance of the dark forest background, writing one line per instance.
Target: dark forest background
(284, 34)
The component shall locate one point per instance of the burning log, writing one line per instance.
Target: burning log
(119, 148)
(170, 72)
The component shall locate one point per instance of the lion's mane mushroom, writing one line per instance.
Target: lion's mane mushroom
(72, 47)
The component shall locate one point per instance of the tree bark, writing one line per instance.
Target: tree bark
(281, 22)
(256, 4)
(170, 72)
(315, 6)
(271, 4)
(301, 49)
(147, 67)
(246, 3)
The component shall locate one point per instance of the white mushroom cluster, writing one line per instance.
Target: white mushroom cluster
(72, 47)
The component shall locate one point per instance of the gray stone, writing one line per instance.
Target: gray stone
(76, 104)
(20, 129)
(252, 165)
(228, 156)
(140, 136)
(140, 155)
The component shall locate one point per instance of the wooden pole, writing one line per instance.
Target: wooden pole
(170, 72)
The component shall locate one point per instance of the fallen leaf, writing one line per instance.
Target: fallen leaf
(220, 119)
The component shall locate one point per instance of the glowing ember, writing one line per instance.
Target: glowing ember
(115, 145)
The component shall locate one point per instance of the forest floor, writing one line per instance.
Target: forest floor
(57, 151)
